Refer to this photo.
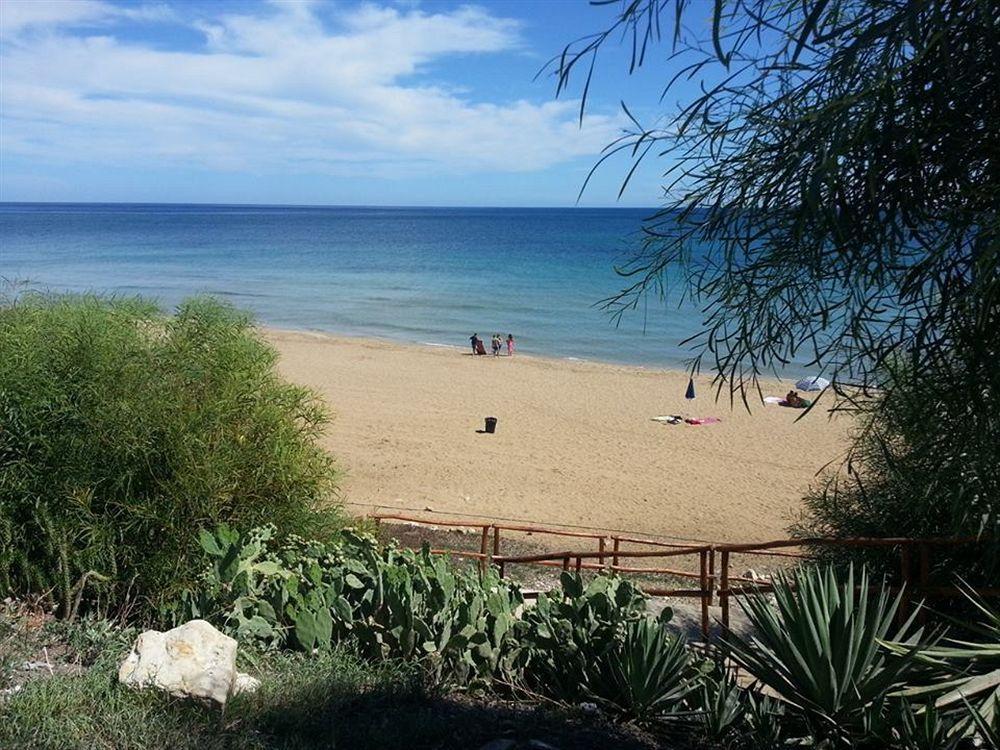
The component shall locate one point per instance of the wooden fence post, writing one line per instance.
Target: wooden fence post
(614, 557)
(579, 563)
(484, 549)
(496, 541)
(601, 547)
(724, 587)
(706, 592)
(711, 574)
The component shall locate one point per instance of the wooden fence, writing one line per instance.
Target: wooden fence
(710, 565)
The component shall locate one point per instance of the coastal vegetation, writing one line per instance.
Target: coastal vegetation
(832, 192)
(156, 468)
(370, 628)
(124, 431)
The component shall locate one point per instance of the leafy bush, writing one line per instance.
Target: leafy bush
(466, 627)
(923, 465)
(596, 643)
(559, 641)
(391, 602)
(123, 431)
(818, 647)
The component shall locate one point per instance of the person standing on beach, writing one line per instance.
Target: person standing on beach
(510, 344)
(473, 339)
(496, 344)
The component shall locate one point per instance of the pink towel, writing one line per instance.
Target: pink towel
(703, 420)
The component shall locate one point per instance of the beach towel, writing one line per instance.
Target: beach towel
(703, 420)
(668, 419)
(480, 349)
(773, 399)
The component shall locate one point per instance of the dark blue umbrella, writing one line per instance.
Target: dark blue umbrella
(690, 391)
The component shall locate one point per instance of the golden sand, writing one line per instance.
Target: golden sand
(575, 443)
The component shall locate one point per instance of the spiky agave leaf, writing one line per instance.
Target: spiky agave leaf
(818, 647)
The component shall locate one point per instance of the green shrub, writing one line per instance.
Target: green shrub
(923, 465)
(596, 643)
(123, 431)
(646, 676)
(465, 627)
(559, 641)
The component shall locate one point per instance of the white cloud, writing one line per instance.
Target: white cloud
(284, 90)
(17, 16)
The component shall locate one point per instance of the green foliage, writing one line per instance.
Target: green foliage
(923, 465)
(647, 676)
(818, 648)
(831, 202)
(465, 627)
(390, 602)
(964, 674)
(722, 710)
(560, 639)
(594, 642)
(829, 194)
(765, 721)
(924, 727)
(122, 431)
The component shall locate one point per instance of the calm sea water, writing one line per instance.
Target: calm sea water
(421, 275)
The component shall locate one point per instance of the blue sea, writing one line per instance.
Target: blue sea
(419, 275)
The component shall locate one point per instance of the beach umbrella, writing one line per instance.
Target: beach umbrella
(812, 384)
(690, 391)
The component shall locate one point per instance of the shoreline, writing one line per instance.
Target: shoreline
(283, 331)
(375, 338)
(575, 444)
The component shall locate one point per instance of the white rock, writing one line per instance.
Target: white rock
(193, 660)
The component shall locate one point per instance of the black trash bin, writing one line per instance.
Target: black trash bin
(491, 424)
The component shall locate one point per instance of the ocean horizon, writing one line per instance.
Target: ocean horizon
(424, 275)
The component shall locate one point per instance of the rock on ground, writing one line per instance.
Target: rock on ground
(193, 660)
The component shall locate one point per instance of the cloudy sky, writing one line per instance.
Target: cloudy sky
(375, 103)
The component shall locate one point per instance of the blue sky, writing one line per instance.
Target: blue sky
(376, 103)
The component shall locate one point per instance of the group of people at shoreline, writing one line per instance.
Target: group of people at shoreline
(496, 344)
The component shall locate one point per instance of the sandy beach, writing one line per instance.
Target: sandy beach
(575, 443)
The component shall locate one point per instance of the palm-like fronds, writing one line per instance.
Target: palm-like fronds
(646, 675)
(818, 648)
(972, 668)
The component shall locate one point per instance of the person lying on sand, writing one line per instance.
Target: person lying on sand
(795, 401)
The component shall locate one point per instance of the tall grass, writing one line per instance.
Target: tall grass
(124, 431)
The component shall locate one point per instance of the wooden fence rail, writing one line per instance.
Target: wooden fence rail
(714, 580)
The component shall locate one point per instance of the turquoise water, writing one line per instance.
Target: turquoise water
(420, 275)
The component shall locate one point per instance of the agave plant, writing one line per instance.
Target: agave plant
(923, 728)
(558, 642)
(648, 675)
(817, 647)
(720, 705)
(765, 720)
(964, 671)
